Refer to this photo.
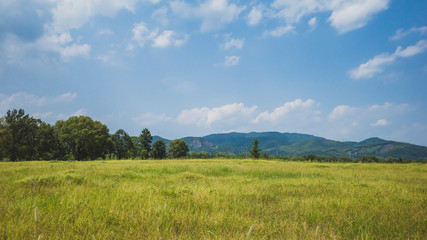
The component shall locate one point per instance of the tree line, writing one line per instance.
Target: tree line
(23, 137)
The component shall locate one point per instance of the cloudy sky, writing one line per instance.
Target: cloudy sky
(340, 69)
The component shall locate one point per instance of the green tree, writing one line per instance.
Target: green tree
(123, 144)
(83, 138)
(178, 148)
(18, 136)
(47, 146)
(255, 151)
(159, 150)
(5, 138)
(145, 140)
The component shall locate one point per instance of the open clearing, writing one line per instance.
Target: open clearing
(212, 199)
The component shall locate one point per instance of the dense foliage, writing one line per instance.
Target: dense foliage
(159, 150)
(123, 145)
(84, 138)
(178, 148)
(25, 138)
(145, 140)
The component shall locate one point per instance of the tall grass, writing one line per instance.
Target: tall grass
(212, 199)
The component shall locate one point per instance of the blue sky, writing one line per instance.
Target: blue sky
(340, 69)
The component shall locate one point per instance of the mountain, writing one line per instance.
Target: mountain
(296, 144)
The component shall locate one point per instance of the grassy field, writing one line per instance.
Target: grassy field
(212, 199)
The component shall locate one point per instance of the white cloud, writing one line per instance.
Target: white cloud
(214, 13)
(66, 97)
(72, 14)
(255, 16)
(22, 100)
(390, 108)
(234, 42)
(285, 110)
(366, 121)
(44, 49)
(377, 64)
(279, 31)
(168, 38)
(56, 18)
(75, 50)
(401, 33)
(149, 119)
(356, 14)
(352, 120)
(380, 123)
(161, 16)
(163, 40)
(410, 51)
(341, 111)
(142, 35)
(346, 15)
(226, 114)
(231, 61)
(312, 23)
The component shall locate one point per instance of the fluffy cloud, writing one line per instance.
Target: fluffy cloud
(312, 23)
(161, 16)
(207, 117)
(214, 13)
(168, 38)
(380, 123)
(22, 99)
(255, 16)
(341, 111)
(44, 49)
(231, 61)
(346, 15)
(234, 42)
(285, 110)
(348, 120)
(72, 14)
(75, 50)
(377, 64)
(142, 35)
(355, 14)
(279, 31)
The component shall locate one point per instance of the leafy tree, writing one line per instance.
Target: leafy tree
(255, 151)
(47, 146)
(145, 140)
(18, 135)
(159, 150)
(178, 148)
(5, 138)
(84, 138)
(123, 144)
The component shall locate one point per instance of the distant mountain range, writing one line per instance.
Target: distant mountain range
(296, 144)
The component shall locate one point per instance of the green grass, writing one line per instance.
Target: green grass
(212, 199)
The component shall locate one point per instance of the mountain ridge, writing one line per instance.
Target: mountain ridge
(298, 144)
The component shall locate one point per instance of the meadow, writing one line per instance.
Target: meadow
(212, 199)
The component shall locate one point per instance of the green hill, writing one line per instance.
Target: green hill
(296, 144)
